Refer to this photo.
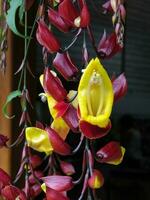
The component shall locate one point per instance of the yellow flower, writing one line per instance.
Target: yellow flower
(95, 95)
(38, 140)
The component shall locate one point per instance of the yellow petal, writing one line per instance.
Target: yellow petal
(60, 126)
(118, 161)
(95, 94)
(43, 186)
(38, 140)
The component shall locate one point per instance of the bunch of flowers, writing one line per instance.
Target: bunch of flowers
(83, 113)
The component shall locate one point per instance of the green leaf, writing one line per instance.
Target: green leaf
(11, 16)
(10, 97)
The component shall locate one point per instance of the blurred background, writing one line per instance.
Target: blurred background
(130, 117)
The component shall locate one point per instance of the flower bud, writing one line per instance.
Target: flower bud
(67, 168)
(96, 180)
(57, 20)
(65, 66)
(58, 183)
(57, 142)
(111, 153)
(85, 17)
(119, 87)
(35, 190)
(46, 38)
(53, 86)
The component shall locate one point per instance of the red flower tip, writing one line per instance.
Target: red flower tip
(57, 20)
(108, 46)
(53, 195)
(11, 192)
(3, 140)
(57, 142)
(65, 66)
(4, 179)
(110, 152)
(96, 180)
(67, 168)
(85, 17)
(53, 86)
(46, 38)
(58, 183)
(92, 131)
(119, 87)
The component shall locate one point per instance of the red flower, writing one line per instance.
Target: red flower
(46, 38)
(11, 192)
(53, 86)
(92, 131)
(68, 16)
(58, 183)
(3, 140)
(65, 66)
(111, 153)
(53, 195)
(96, 180)
(57, 142)
(108, 46)
(119, 87)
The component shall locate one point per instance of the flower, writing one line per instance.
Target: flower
(67, 168)
(96, 180)
(68, 16)
(108, 46)
(38, 140)
(111, 153)
(95, 95)
(65, 66)
(46, 38)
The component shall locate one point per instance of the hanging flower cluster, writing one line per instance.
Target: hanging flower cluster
(82, 112)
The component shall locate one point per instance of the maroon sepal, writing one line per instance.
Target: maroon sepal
(71, 118)
(11, 192)
(85, 17)
(65, 66)
(35, 161)
(5, 179)
(68, 12)
(46, 38)
(3, 140)
(58, 183)
(93, 132)
(119, 86)
(111, 151)
(108, 46)
(57, 20)
(53, 86)
(57, 142)
(53, 195)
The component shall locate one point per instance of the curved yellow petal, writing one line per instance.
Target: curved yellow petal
(60, 126)
(73, 95)
(95, 94)
(38, 140)
(118, 161)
